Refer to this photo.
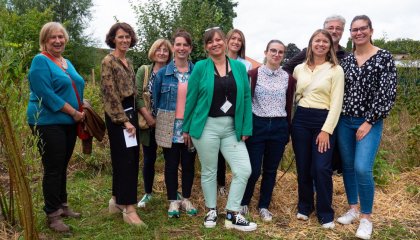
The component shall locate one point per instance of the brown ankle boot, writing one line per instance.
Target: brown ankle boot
(56, 223)
(67, 212)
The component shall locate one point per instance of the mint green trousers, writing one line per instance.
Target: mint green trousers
(219, 133)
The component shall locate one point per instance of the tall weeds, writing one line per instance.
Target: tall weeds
(13, 95)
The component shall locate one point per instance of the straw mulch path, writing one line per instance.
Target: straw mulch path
(393, 204)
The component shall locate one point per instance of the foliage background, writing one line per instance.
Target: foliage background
(20, 23)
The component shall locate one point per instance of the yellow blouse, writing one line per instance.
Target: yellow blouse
(326, 93)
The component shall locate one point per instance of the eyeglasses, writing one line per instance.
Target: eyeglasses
(164, 50)
(274, 51)
(212, 28)
(331, 28)
(361, 29)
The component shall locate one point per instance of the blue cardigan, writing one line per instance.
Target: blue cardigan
(200, 95)
(50, 89)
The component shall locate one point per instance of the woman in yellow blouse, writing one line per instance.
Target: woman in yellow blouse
(118, 92)
(319, 97)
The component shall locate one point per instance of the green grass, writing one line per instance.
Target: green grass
(89, 193)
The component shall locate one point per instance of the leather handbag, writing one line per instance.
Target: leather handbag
(146, 97)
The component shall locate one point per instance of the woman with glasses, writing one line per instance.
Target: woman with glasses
(235, 49)
(319, 96)
(272, 91)
(217, 117)
(169, 94)
(369, 94)
(160, 54)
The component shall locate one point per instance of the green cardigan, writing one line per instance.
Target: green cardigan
(144, 137)
(200, 95)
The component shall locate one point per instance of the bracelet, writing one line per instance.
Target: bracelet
(74, 113)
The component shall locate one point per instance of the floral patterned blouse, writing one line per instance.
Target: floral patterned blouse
(369, 90)
(117, 83)
(270, 93)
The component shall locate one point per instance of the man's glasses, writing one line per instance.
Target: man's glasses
(274, 51)
(338, 29)
(361, 29)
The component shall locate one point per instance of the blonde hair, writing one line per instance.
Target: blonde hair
(157, 44)
(331, 56)
(46, 31)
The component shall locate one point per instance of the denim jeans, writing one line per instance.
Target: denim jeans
(265, 148)
(149, 157)
(358, 159)
(175, 155)
(56, 145)
(312, 166)
(219, 134)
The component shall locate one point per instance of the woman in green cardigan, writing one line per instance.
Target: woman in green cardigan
(218, 116)
(160, 53)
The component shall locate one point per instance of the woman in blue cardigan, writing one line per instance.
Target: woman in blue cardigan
(56, 91)
(218, 116)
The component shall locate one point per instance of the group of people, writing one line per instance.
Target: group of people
(223, 111)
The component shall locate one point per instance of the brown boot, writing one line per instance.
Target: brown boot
(67, 212)
(56, 223)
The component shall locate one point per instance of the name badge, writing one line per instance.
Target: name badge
(226, 106)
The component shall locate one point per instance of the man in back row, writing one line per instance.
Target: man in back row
(335, 26)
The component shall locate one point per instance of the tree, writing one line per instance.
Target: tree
(18, 30)
(157, 18)
(291, 51)
(399, 45)
(28, 16)
(74, 14)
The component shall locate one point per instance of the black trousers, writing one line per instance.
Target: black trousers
(221, 170)
(56, 145)
(175, 155)
(125, 161)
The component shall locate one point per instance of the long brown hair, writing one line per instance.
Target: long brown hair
(331, 56)
(241, 52)
(364, 18)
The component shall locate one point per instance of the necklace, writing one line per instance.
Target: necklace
(60, 60)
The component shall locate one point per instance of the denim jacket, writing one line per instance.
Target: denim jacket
(165, 88)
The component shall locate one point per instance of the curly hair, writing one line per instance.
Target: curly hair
(110, 36)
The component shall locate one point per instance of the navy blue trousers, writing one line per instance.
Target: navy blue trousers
(312, 166)
(265, 149)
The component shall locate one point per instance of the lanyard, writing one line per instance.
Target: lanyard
(227, 68)
(225, 78)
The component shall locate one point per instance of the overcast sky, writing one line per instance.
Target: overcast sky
(291, 21)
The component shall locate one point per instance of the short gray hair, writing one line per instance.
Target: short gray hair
(335, 18)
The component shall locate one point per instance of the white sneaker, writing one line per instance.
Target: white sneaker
(188, 207)
(348, 218)
(211, 219)
(244, 210)
(173, 211)
(300, 216)
(329, 225)
(365, 229)
(238, 222)
(145, 200)
(266, 215)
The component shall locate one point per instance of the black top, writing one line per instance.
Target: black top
(369, 90)
(224, 88)
(299, 58)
